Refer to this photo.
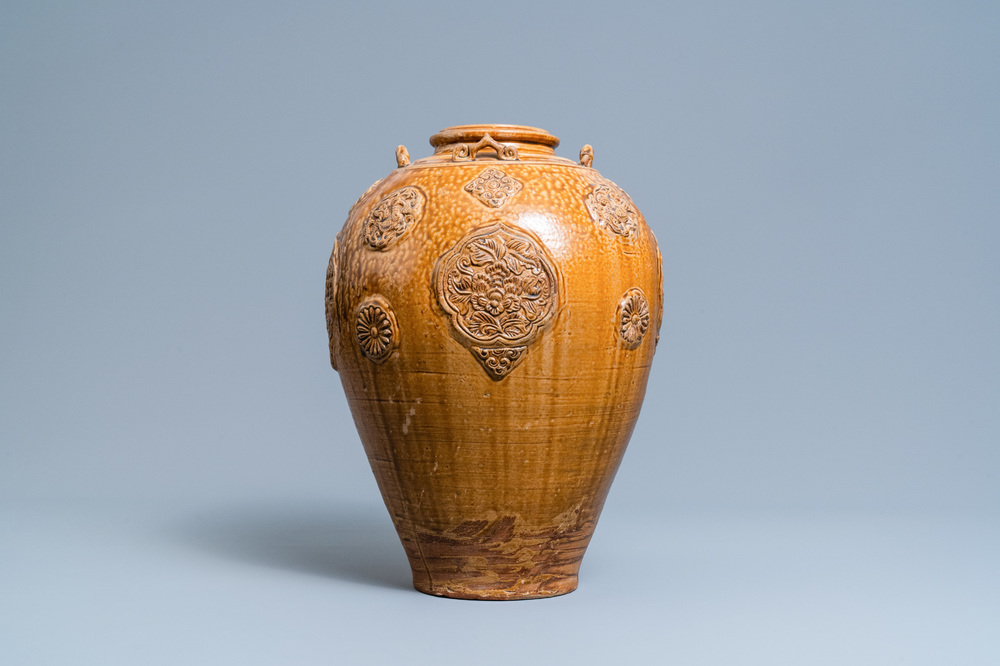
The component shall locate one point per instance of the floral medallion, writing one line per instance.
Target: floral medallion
(500, 289)
(392, 216)
(493, 187)
(613, 210)
(633, 318)
(376, 330)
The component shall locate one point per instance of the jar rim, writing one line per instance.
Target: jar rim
(501, 133)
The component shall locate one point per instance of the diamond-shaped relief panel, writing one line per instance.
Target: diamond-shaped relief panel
(493, 187)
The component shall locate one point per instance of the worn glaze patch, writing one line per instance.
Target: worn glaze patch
(392, 216)
(503, 557)
(500, 290)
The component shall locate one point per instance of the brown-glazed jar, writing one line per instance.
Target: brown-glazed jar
(493, 311)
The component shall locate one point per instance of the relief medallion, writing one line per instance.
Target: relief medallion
(500, 289)
(375, 329)
(493, 187)
(392, 216)
(612, 210)
(633, 318)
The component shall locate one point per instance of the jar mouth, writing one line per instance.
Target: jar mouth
(500, 133)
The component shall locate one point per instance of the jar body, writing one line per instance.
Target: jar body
(493, 320)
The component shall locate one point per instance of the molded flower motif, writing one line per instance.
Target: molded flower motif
(392, 216)
(613, 210)
(495, 292)
(375, 328)
(500, 290)
(498, 361)
(633, 318)
(493, 187)
(497, 286)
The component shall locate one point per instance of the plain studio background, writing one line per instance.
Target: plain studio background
(815, 477)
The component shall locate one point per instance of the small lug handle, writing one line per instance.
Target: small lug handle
(402, 157)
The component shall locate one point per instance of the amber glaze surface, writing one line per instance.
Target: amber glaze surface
(493, 311)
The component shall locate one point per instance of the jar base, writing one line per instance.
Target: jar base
(549, 587)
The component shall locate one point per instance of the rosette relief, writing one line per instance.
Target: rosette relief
(633, 318)
(375, 329)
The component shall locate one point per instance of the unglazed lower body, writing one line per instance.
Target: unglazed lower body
(494, 560)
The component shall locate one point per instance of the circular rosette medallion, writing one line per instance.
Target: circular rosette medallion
(500, 289)
(633, 318)
(375, 329)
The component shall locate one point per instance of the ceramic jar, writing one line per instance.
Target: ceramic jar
(493, 310)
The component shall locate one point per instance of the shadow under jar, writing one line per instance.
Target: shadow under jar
(493, 311)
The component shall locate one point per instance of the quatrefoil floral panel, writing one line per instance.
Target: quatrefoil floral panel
(501, 291)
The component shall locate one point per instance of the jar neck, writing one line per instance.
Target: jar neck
(494, 142)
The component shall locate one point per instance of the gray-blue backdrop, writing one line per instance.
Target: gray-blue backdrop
(824, 180)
